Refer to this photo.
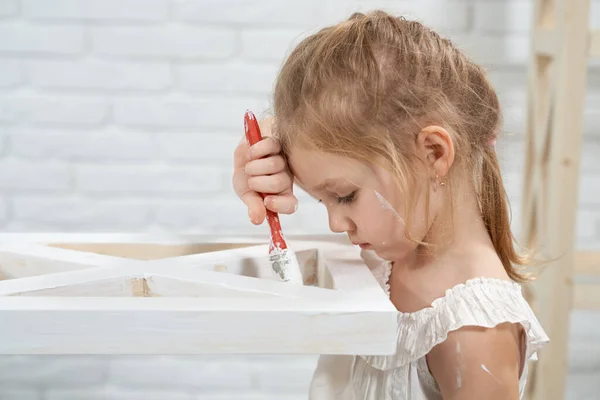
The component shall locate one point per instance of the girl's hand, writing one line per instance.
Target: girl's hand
(262, 169)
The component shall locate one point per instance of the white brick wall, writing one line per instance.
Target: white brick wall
(123, 115)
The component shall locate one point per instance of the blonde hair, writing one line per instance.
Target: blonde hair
(364, 87)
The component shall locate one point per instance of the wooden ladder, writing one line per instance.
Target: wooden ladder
(561, 47)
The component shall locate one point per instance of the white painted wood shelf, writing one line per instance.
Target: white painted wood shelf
(83, 293)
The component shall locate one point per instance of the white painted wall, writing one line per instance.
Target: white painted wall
(122, 115)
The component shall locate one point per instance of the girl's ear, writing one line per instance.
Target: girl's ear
(435, 147)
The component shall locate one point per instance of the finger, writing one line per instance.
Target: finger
(265, 166)
(270, 184)
(240, 154)
(284, 204)
(266, 147)
(256, 207)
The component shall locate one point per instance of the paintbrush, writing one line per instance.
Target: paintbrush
(283, 260)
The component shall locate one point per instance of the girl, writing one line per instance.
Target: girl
(393, 129)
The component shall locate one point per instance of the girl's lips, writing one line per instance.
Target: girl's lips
(364, 246)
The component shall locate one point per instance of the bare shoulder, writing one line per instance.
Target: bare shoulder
(479, 363)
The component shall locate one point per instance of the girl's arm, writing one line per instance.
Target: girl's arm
(478, 363)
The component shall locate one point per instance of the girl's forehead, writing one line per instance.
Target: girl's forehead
(319, 170)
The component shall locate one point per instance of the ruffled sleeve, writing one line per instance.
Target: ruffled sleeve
(485, 302)
(379, 267)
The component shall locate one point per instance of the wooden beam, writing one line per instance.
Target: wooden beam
(587, 296)
(587, 263)
(594, 46)
(545, 42)
(556, 220)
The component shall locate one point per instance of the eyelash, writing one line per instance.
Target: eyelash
(346, 199)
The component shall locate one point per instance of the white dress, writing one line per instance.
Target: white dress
(484, 302)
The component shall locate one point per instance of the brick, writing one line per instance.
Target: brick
(18, 394)
(511, 154)
(4, 210)
(55, 370)
(94, 74)
(83, 145)
(198, 147)
(3, 145)
(589, 189)
(501, 17)
(130, 10)
(186, 113)
(184, 42)
(77, 213)
(269, 44)
(180, 373)
(11, 73)
(114, 393)
(513, 184)
(439, 14)
(589, 160)
(591, 117)
(588, 222)
(147, 179)
(20, 37)
(21, 175)
(143, 394)
(203, 214)
(582, 385)
(498, 50)
(87, 393)
(239, 78)
(8, 8)
(509, 82)
(239, 12)
(251, 396)
(53, 110)
(594, 15)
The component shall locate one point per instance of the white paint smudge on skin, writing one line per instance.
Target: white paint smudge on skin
(458, 374)
(483, 367)
(387, 206)
(292, 208)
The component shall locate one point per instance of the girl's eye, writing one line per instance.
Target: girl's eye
(347, 199)
(343, 200)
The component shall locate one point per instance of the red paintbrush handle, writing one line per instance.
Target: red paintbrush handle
(254, 136)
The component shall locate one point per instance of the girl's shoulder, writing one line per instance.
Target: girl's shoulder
(484, 302)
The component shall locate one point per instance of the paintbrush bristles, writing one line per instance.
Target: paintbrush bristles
(286, 266)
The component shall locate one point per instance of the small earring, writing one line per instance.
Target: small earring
(441, 182)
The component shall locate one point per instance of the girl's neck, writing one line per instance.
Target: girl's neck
(455, 234)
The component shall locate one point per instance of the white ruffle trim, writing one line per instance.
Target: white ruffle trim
(485, 302)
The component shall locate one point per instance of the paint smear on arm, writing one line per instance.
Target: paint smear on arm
(483, 367)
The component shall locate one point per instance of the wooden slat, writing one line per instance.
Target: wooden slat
(587, 297)
(554, 290)
(594, 46)
(545, 42)
(154, 325)
(587, 263)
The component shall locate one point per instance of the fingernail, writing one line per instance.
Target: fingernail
(268, 200)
